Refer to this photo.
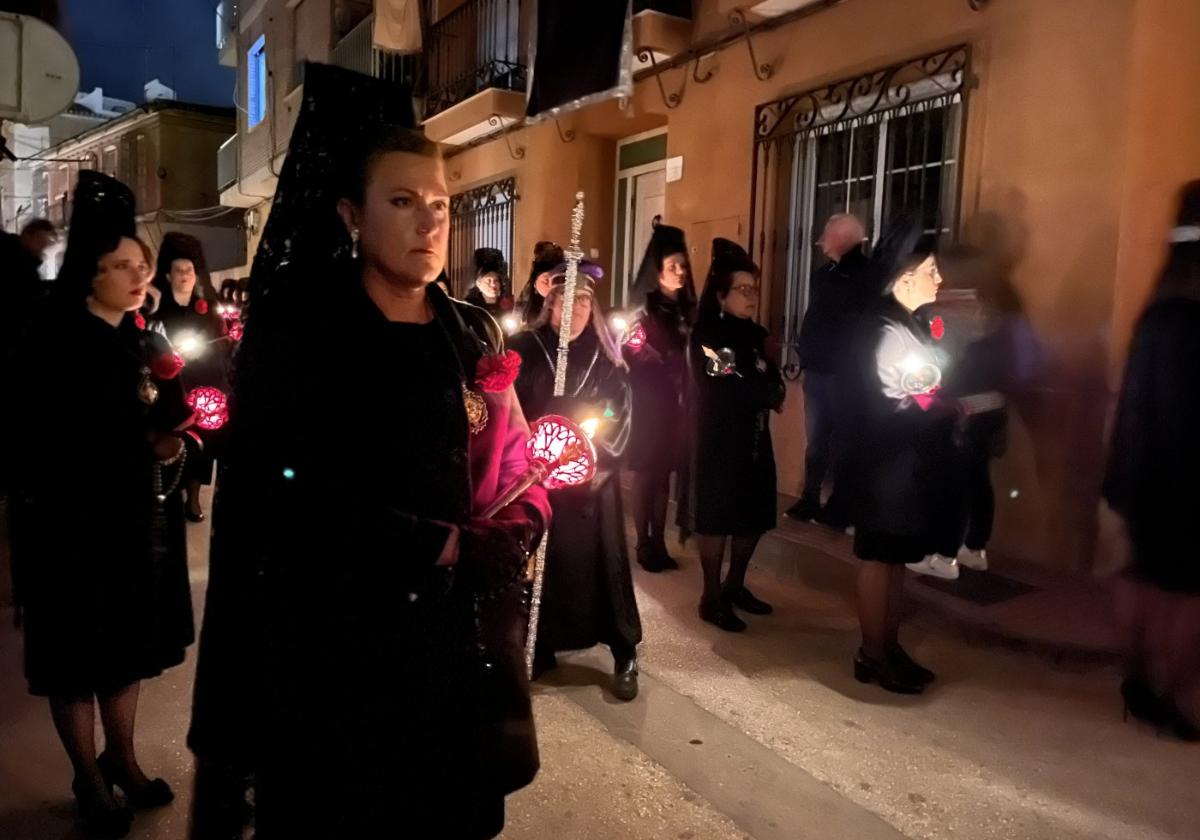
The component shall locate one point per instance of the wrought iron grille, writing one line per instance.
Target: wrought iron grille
(874, 145)
(475, 47)
(481, 217)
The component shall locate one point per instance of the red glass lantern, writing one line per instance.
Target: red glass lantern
(637, 338)
(560, 455)
(211, 407)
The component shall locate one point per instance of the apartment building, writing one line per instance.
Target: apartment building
(1046, 133)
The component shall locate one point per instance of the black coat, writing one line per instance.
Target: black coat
(731, 469)
(588, 595)
(657, 375)
(906, 451)
(103, 567)
(838, 296)
(336, 658)
(1155, 449)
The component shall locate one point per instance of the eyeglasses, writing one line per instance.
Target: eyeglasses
(747, 290)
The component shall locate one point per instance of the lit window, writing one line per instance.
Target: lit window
(256, 82)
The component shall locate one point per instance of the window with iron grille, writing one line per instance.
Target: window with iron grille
(481, 217)
(874, 146)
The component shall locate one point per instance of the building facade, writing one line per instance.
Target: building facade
(166, 152)
(1043, 134)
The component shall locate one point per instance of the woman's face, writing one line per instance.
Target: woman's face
(122, 277)
(581, 313)
(404, 222)
(674, 272)
(742, 300)
(922, 282)
(542, 283)
(489, 284)
(182, 277)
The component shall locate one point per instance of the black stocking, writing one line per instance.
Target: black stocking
(712, 556)
(739, 560)
(650, 496)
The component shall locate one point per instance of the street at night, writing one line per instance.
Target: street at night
(761, 736)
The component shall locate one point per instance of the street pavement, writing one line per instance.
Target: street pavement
(763, 735)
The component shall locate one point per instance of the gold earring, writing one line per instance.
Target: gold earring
(354, 243)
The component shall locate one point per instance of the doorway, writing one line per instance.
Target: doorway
(641, 201)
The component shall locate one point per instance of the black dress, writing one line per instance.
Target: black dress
(336, 659)
(907, 454)
(588, 595)
(104, 566)
(657, 374)
(731, 486)
(1155, 450)
(210, 368)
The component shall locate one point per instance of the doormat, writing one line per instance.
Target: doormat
(982, 588)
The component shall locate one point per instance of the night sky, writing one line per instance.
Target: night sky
(122, 44)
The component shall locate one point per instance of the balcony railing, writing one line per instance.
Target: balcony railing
(227, 161)
(475, 47)
(357, 52)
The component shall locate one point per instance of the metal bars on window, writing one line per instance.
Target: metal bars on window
(481, 217)
(875, 146)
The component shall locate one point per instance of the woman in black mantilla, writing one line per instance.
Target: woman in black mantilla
(491, 279)
(102, 546)
(658, 370)
(186, 313)
(588, 596)
(1151, 485)
(907, 449)
(546, 256)
(734, 386)
(362, 650)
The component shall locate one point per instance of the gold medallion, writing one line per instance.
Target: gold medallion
(477, 410)
(147, 391)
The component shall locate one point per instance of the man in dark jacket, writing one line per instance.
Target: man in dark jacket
(837, 297)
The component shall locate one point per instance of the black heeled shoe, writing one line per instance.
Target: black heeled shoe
(153, 794)
(100, 819)
(665, 559)
(649, 559)
(912, 670)
(625, 680)
(719, 613)
(889, 678)
(1142, 702)
(744, 599)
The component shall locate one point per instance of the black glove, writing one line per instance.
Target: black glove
(492, 553)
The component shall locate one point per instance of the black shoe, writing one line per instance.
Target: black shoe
(100, 819)
(1178, 726)
(719, 613)
(194, 517)
(649, 559)
(665, 559)
(543, 662)
(833, 519)
(805, 510)
(625, 680)
(153, 794)
(912, 670)
(744, 600)
(868, 670)
(1142, 702)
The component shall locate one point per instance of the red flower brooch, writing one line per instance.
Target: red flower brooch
(937, 328)
(139, 320)
(166, 365)
(202, 306)
(494, 374)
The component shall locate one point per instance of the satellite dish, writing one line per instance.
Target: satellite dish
(39, 73)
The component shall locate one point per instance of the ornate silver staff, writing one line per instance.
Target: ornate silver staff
(573, 255)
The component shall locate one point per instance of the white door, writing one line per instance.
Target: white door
(649, 204)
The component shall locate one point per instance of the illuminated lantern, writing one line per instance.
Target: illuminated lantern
(235, 330)
(637, 338)
(211, 407)
(560, 455)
